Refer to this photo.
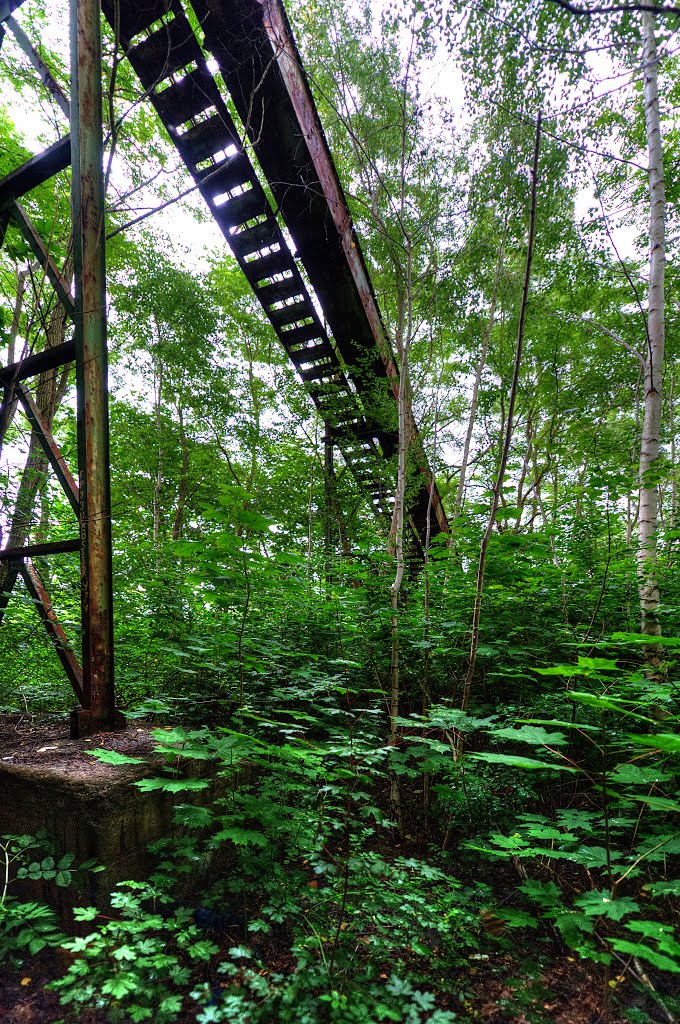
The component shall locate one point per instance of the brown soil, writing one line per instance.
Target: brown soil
(43, 740)
(566, 992)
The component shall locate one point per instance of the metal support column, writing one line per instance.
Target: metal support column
(87, 197)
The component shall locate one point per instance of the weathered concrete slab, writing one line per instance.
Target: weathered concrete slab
(93, 810)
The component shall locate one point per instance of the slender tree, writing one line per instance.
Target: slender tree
(654, 354)
(508, 431)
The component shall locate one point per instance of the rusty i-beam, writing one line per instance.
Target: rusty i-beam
(93, 679)
(89, 239)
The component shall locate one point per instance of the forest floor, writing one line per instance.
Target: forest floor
(507, 986)
(495, 990)
(35, 740)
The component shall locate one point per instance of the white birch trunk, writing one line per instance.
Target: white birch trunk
(673, 451)
(651, 426)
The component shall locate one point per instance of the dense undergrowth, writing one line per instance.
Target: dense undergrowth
(320, 899)
(339, 877)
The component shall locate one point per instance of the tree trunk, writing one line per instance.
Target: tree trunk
(183, 490)
(397, 530)
(507, 438)
(651, 427)
(158, 478)
(481, 363)
(674, 472)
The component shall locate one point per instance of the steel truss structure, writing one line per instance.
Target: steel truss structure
(226, 81)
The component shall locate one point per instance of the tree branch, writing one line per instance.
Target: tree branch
(613, 8)
(615, 337)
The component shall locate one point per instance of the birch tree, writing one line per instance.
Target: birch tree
(654, 352)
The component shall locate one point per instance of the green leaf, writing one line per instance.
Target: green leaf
(202, 950)
(171, 1004)
(585, 667)
(531, 734)
(591, 701)
(239, 952)
(242, 837)
(547, 832)
(172, 785)
(513, 761)
(572, 925)
(659, 803)
(516, 842)
(663, 933)
(140, 1013)
(128, 953)
(643, 640)
(113, 757)
(599, 664)
(595, 856)
(561, 724)
(85, 913)
(546, 894)
(193, 816)
(633, 775)
(120, 986)
(668, 742)
(516, 918)
(80, 944)
(671, 888)
(638, 949)
(600, 904)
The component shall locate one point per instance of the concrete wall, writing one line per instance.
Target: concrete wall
(94, 811)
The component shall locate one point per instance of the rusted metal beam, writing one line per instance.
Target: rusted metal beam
(287, 57)
(56, 278)
(288, 60)
(4, 223)
(44, 73)
(31, 366)
(50, 447)
(98, 697)
(55, 631)
(290, 66)
(10, 376)
(8, 587)
(35, 171)
(6, 412)
(7, 7)
(56, 547)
